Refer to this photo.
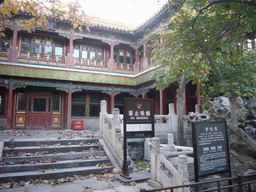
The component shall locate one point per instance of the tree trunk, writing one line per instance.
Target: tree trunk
(180, 110)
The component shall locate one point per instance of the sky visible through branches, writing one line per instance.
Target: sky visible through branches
(130, 12)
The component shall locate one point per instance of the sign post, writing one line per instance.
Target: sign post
(211, 150)
(138, 123)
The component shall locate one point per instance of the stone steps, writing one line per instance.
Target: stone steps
(51, 149)
(58, 156)
(52, 159)
(22, 143)
(52, 174)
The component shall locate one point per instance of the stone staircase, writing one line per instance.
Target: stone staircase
(52, 159)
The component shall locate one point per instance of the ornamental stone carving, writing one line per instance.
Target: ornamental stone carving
(220, 108)
(240, 110)
(155, 144)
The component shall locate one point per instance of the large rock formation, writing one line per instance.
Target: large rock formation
(220, 108)
(242, 135)
(250, 120)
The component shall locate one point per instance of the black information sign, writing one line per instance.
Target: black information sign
(138, 117)
(138, 123)
(211, 151)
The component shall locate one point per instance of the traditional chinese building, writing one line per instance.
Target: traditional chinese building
(50, 78)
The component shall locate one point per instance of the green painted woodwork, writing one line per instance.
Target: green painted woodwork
(74, 75)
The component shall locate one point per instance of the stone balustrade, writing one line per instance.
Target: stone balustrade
(169, 167)
(110, 131)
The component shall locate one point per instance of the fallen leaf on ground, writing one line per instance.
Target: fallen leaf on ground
(9, 163)
(131, 183)
(41, 170)
(43, 145)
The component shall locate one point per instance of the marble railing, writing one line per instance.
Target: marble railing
(110, 132)
(169, 164)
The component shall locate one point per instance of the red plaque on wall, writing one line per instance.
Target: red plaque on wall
(77, 125)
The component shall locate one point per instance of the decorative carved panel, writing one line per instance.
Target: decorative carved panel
(56, 120)
(20, 119)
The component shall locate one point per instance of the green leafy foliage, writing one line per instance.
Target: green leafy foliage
(41, 11)
(206, 39)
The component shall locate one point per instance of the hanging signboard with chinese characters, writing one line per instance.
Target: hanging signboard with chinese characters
(138, 117)
(211, 151)
(138, 123)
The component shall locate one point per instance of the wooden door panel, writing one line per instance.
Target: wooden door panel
(39, 120)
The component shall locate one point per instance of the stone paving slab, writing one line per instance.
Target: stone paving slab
(87, 185)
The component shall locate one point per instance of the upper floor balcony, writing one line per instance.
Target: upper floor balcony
(56, 51)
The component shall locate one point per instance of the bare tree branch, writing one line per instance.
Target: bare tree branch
(213, 2)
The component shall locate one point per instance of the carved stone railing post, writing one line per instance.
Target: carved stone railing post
(171, 109)
(103, 106)
(174, 119)
(116, 117)
(103, 111)
(171, 142)
(117, 122)
(183, 169)
(155, 150)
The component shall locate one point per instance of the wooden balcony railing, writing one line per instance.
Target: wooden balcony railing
(25, 57)
(39, 59)
(125, 68)
(90, 64)
(4, 55)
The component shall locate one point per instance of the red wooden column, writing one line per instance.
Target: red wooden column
(69, 108)
(156, 101)
(111, 63)
(108, 100)
(70, 58)
(9, 107)
(14, 47)
(136, 60)
(112, 101)
(143, 94)
(145, 59)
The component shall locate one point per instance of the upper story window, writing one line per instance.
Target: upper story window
(59, 47)
(92, 52)
(126, 56)
(85, 51)
(100, 53)
(121, 55)
(4, 43)
(88, 51)
(37, 45)
(25, 44)
(47, 46)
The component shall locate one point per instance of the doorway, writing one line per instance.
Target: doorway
(39, 111)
